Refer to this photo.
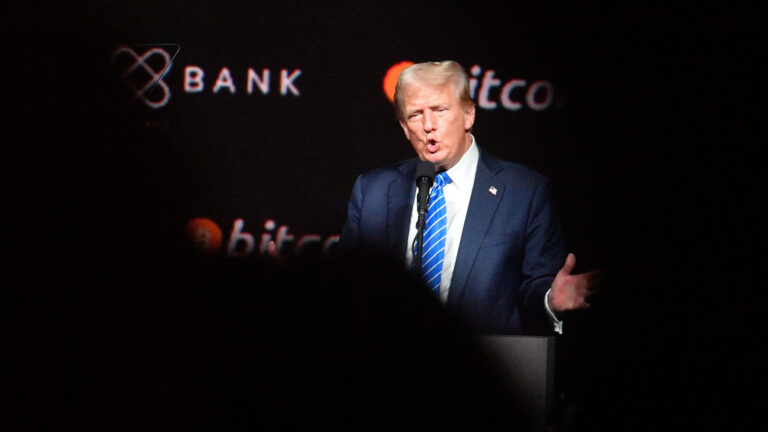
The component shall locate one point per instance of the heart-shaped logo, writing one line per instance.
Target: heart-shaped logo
(144, 73)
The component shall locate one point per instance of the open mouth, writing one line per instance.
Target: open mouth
(432, 145)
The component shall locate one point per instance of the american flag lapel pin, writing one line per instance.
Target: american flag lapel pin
(493, 190)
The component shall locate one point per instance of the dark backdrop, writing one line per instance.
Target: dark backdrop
(648, 142)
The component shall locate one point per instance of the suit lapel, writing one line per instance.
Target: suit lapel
(482, 208)
(400, 197)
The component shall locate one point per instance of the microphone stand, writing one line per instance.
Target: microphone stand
(425, 177)
(421, 224)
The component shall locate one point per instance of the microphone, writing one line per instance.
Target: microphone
(425, 176)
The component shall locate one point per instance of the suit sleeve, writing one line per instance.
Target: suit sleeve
(543, 256)
(350, 233)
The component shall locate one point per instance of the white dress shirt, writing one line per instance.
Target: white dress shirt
(457, 194)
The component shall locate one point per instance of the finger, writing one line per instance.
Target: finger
(594, 274)
(591, 296)
(570, 263)
(595, 287)
(594, 280)
(600, 280)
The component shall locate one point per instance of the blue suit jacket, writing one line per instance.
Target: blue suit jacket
(511, 246)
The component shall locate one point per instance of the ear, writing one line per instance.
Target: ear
(469, 117)
(405, 130)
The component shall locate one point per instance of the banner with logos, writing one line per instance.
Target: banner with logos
(277, 114)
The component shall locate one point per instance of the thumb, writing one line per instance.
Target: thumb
(570, 263)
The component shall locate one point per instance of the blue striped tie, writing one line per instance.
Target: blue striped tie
(434, 235)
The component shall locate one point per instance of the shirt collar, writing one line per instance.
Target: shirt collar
(463, 173)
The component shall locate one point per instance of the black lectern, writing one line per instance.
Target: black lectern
(528, 365)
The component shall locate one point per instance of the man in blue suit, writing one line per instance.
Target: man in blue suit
(502, 265)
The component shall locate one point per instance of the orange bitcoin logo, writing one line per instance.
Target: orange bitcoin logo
(390, 79)
(205, 234)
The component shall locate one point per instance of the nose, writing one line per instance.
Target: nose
(429, 121)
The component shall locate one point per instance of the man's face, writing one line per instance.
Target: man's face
(437, 124)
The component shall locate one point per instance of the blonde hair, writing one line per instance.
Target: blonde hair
(434, 74)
